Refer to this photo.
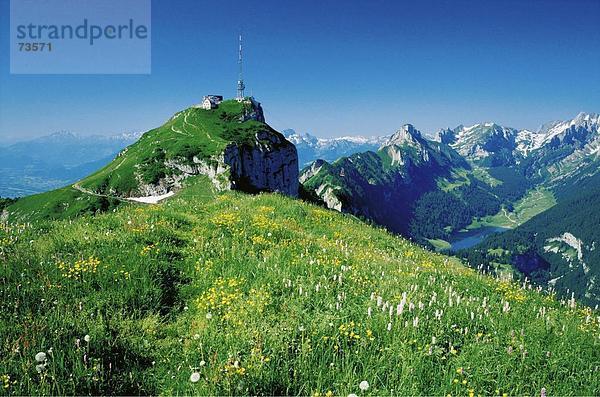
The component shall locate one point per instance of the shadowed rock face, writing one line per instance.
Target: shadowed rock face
(270, 164)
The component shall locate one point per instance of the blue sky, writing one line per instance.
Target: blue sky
(334, 67)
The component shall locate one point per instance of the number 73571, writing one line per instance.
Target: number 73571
(35, 47)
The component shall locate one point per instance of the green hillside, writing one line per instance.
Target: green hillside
(64, 203)
(557, 246)
(418, 188)
(191, 133)
(384, 186)
(220, 294)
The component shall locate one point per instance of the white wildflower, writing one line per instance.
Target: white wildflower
(195, 377)
(364, 385)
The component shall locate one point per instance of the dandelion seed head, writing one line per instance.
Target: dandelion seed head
(41, 356)
(364, 385)
(195, 377)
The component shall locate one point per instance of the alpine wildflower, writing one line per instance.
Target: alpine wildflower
(364, 385)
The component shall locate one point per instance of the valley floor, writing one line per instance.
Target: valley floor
(533, 203)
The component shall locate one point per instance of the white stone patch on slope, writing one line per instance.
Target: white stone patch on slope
(590, 287)
(313, 170)
(152, 199)
(573, 242)
(553, 281)
(480, 152)
(327, 193)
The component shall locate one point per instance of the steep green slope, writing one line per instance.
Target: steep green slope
(417, 187)
(191, 133)
(236, 294)
(557, 247)
(65, 203)
(384, 186)
(232, 144)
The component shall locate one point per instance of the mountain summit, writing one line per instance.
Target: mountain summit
(408, 134)
(230, 144)
(383, 185)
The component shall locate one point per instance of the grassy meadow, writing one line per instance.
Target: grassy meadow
(533, 203)
(238, 294)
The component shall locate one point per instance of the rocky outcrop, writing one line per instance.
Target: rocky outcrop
(269, 164)
(254, 112)
(327, 194)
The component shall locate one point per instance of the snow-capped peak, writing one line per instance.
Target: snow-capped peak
(311, 140)
(528, 141)
(586, 118)
(302, 138)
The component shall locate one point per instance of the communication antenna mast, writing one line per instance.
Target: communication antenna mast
(240, 84)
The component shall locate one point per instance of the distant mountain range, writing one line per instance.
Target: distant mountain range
(55, 160)
(311, 148)
(480, 177)
(492, 145)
